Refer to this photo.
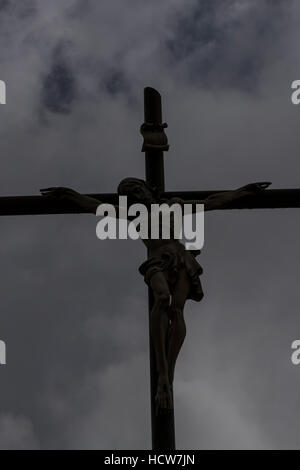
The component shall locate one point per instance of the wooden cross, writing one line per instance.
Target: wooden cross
(163, 429)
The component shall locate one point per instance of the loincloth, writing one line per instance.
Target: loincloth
(170, 260)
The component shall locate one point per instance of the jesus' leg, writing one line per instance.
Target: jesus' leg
(159, 326)
(177, 329)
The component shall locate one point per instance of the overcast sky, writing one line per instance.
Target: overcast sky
(74, 309)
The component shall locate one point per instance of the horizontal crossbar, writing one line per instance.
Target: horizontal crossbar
(38, 205)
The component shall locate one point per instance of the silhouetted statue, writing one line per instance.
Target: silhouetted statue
(171, 271)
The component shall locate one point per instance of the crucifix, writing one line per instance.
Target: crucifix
(171, 272)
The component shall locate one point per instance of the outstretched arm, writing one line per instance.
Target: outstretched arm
(87, 203)
(222, 199)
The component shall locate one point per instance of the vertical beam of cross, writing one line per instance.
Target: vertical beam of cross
(163, 427)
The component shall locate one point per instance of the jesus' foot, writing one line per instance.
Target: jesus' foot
(163, 399)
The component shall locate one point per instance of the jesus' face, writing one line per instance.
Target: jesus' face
(136, 191)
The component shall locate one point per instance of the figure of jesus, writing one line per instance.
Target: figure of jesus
(171, 271)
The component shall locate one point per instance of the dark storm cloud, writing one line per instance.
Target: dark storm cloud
(59, 88)
(20, 9)
(115, 82)
(4, 4)
(74, 309)
(216, 42)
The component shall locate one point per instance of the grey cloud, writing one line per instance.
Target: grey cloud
(16, 433)
(77, 372)
(226, 41)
